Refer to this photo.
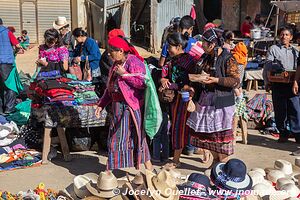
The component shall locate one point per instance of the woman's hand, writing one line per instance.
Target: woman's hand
(165, 83)
(210, 80)
(77, 59)
(120, 70)
(42, 62)
(98, 111)
(295, 88)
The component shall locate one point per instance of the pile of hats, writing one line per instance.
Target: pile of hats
(168, 184)
(280, 182)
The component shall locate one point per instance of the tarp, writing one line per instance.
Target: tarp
(287, 6)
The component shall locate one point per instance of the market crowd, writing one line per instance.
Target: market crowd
(198, 85)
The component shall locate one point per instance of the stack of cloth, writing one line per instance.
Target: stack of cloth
(84, 93)
(51, 91)
(13, 150)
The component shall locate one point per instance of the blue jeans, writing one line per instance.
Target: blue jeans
(161, 141)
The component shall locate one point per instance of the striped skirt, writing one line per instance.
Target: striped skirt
(127, 145)
(211, 128)
(180, 131)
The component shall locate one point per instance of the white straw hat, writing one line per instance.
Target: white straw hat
(260, 170)
(282, 181)
(274, 175)
(256, 176)
(284, 166)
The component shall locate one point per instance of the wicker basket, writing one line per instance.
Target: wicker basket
(281, 77)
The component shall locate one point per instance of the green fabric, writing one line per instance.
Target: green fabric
(71, 76)
(85, 95)
(37, 71)
(13, 81)
(153, 113)
(22, 114)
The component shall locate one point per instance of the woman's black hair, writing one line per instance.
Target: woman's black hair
(176, 39)
(51, 35)
(286, 29)
(186, 22)
(228, 35)
(248, 18)
(24, 32)
(77, 32)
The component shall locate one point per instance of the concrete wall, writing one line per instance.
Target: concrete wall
(231, 14)
(79, 18)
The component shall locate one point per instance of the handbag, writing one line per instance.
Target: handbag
(87, 74)
(76, 70)
(166, 95)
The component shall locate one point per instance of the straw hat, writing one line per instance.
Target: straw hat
(60, 22)
(274, 175)
(260, 170)
(106, 186)
(263, 189)
(93, 198)
(162, 186)
(256, 177)
(80, 183)
(282, 181)
(291, 189)
(278, 195)
(284, 166)
(178, 178)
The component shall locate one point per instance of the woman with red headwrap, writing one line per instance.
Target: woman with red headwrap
(127, 145)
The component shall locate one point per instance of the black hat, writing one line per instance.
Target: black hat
(197, 186)
(231, 176)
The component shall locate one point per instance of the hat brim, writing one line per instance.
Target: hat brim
(203, 194)
(246, 184)
(153, 190)
(92, 188)
(80, 182)
(57, 27)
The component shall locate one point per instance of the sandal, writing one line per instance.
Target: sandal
(206, 157)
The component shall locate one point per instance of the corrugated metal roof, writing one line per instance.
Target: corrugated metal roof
(168, 9)
(29, 20)
(10, 14)
(48, 10)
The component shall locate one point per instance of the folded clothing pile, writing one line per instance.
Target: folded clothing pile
(16, 155)
(84, 93)
(8, 133)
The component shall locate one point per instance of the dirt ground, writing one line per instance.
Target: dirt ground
(261, 151)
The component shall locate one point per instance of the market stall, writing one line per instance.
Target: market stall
(63, 103)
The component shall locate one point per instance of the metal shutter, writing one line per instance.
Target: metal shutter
(48, 10)
(29, 20)
(10, 14)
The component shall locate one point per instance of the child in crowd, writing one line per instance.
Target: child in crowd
(24, 40)
(240, 53)
(53, 51)
(228, 43)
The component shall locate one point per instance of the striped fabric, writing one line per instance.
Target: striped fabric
(219, 142)
(180, 131)
(127, 146)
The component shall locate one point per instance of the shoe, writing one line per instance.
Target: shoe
(282, 139)
(188, 153)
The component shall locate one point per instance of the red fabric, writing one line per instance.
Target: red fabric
(115, 33)
(208, 26)
(120, 43)
(245, 29)
(57, 92)
(193, 13)
(13, 39)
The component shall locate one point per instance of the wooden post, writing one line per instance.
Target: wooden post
(244, 128)
(256, 85)
(249, 85)
(64, 144)
(153, 27)
(277, 22)
(46, 145)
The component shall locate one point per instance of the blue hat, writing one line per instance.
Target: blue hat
(231, 176)
(197, 186)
